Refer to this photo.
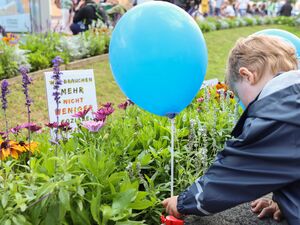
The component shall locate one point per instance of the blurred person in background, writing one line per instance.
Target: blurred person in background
(211, 7)
(227, 9)
(286, 9)
(67, 11)
(205, 7)
(297, 8)
(88, 13)
(218, 7)
(271, 8)
(241, 6)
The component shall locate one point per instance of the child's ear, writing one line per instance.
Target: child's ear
(247, 75)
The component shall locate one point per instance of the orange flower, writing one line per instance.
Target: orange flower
(5, 39)
(220, 85)
(11, 39)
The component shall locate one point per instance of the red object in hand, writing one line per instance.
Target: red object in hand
(170, 220)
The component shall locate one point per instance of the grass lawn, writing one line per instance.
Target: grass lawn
(218, 43)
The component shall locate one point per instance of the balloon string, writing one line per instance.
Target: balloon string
(172, 155)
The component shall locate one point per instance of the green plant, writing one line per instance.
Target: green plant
(42, 49)
(9, 67)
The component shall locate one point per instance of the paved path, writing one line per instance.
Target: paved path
(240, 215)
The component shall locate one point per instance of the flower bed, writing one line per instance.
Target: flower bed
(35, 51)
(113, 170)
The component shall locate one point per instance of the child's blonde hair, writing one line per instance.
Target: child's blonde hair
(260, 53)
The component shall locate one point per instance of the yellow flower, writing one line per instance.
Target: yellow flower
(9, 148)
(33, 146)
(15, 149)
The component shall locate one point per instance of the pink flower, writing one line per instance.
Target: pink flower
(52, 125)
(200, 99)
(109, 110)
(107, 105)
(92, 126)
(99, 116)
(81, 114)
(65, 126)
(4, 135)
(124, 105)
(31, 126)
(103, 112)
(16, 129)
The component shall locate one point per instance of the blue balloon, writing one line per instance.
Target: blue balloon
(158, 57)
(285, 35)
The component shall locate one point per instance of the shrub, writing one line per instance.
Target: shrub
(9, 66)
(46, 46)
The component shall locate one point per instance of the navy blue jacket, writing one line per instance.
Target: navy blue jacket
(262, 157)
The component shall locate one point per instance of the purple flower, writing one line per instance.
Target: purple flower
(31, 127)
(92, 126)
(26, 81)
(16, 129)
(4, 92)
(52, 125)
(81, 114)
(56, 77)
(57, 61)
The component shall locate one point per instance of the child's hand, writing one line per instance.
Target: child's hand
(171, 206)
(266, 207)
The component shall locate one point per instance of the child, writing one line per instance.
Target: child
(264, 154)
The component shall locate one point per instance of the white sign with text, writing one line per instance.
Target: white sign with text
(77, 93)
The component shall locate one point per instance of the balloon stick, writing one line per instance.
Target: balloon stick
(172, 155)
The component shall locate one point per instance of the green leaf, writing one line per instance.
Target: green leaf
(22, 220)
(107, 213)
(122, 200)
(45, 189)
(7, 222)
(4, 199)
(116, 177)
(80, 191)
(145, 159)
(80, 205)
(80, 217)
(95, 209)
(52, 214)
(23, 207)
(183, 132)
(64, 197)
(141, 202)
